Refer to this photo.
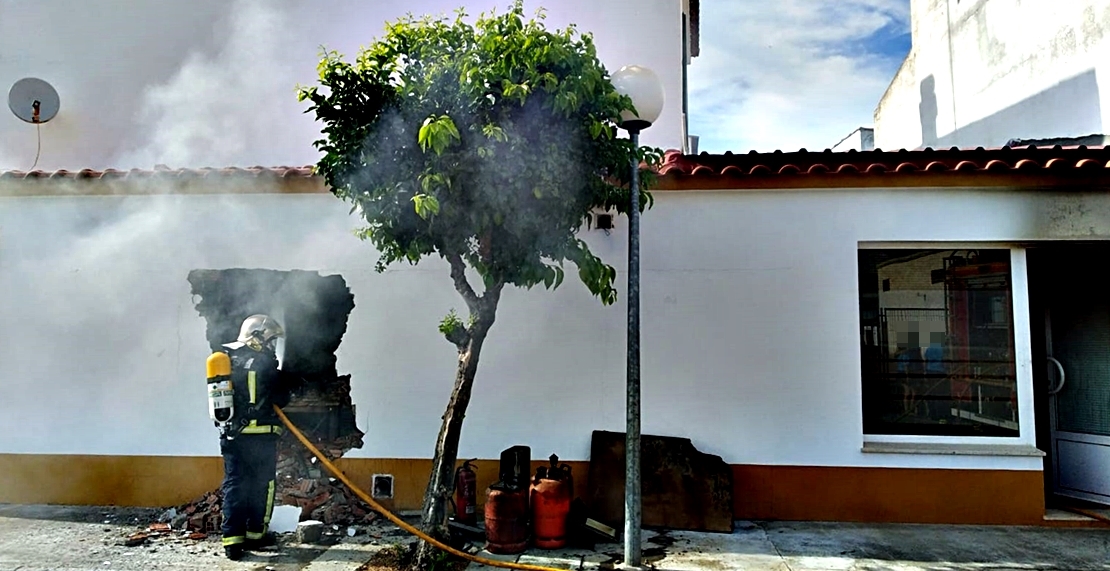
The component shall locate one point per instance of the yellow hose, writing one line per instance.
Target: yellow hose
(400, 522)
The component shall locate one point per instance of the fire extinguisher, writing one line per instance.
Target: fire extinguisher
(466, 494)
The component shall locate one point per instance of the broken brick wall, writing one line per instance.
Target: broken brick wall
(313, 310)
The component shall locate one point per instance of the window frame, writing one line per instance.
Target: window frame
(1024, 444)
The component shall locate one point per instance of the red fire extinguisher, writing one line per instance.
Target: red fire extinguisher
(466, 494)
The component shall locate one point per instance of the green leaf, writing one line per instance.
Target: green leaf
(424, 137)
(495, 132)
(426, 205)
(437, 133)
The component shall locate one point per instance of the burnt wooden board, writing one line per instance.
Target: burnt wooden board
(682, 488)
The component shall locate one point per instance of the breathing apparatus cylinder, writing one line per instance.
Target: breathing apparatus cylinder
(221, 397)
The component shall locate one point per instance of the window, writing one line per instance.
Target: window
(937, 342)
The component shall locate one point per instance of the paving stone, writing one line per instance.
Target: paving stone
(497, 556)
(494, 556)
(822, 563)
(598, 559)
(568, 561)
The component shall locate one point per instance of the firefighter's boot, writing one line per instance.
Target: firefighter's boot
(234, 552)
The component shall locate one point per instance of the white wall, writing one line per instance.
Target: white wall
(862, 139)
(211, 82)
(750, 317)
(982, 73)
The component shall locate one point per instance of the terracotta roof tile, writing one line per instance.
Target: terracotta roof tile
(803, 162)
(778, 169)
(163, 171)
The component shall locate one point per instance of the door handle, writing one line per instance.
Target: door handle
(1063, 378)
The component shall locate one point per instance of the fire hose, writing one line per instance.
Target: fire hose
(393, 518)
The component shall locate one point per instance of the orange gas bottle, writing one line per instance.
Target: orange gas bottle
(506, 517)
(551, 493)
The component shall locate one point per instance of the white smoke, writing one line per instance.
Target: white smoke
(97, 305)
(232, 107)
(98, 285)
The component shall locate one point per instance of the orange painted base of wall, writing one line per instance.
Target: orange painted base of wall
(903, 495)
(163, 481)
(106, 480)
(797, 493)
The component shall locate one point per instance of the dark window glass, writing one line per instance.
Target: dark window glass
(937, 342)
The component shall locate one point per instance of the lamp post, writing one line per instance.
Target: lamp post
(646, 91)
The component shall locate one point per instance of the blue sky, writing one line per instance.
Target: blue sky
(790, 74)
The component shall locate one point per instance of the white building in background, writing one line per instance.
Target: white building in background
(210, 83)
(862, 139)
(988, 72)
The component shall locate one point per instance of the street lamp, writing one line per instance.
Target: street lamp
(646, 91)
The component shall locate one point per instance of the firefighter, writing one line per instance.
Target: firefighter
(248, 441)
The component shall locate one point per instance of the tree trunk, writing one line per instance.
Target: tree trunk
(441, 483)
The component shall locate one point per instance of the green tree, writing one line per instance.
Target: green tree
(487, 144)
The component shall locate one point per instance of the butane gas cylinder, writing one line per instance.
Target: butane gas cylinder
(551, 494)
(506, 519)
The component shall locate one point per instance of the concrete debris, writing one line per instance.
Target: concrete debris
(310, 531)
(284, 519)
(157, 531)
(136, 539)
(319, 499)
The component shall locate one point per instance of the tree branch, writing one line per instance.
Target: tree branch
(458, 273)
(493, 294)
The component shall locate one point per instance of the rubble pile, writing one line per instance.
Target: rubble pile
(327, 501)
(203, 515)
(324, 413)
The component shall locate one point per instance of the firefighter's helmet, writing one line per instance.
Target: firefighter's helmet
(260, 331)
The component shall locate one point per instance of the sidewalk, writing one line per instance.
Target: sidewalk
(805, 546)
(34, 538)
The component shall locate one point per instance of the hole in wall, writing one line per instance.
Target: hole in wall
(313, 310)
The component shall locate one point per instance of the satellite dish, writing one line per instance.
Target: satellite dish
(33, 100)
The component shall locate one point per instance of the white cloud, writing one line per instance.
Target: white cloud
(788, 74)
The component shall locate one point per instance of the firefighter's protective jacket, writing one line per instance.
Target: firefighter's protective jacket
(258, 385)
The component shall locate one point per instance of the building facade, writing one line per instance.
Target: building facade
(861, 336)
(983, 73)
